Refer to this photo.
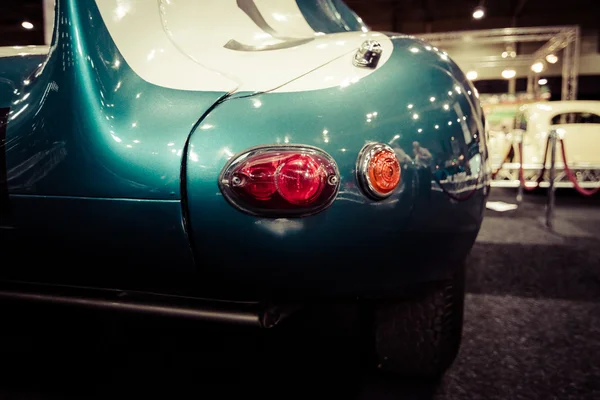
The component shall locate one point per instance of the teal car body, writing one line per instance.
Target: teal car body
(112, 180)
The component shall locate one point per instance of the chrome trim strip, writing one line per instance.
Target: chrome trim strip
(235, 45)
(23, 51)
(154, 305)
(252, 11)
(249, 7)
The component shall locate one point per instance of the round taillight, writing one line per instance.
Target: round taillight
(300, 179)
(257, 178)
(280, 181)
(378, 170)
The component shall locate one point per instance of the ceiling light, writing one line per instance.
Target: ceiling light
(479, 12)
(504, 54)
(542, 81)
(509, 73)
(537, 67)
(472, 75)
(551, 58)
(27, 25)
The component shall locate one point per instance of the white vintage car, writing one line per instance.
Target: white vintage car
(577, 124)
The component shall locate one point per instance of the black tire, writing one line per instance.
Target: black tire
(421, 336)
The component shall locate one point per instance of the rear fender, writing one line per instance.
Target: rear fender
(418, 103)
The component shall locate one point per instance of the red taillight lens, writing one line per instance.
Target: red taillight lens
(301, 179)
(281, 181)
(378, 170)
(257, 177)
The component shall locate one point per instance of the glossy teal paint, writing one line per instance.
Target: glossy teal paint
(419, 103)
(13, 71)
(330, 16)
(95, 156)
(91, 237)
(87, 125)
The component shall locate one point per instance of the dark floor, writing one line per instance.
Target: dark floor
(532, 331)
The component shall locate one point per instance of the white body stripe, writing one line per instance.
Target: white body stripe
(180, 44)
(339, 72)
(285, 17)
(136, 28)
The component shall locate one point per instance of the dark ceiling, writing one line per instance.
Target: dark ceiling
(407, 16)
(419, 16)
(12, 13)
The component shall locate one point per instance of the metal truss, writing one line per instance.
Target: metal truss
(557, 38)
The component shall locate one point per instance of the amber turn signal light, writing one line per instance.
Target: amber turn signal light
(378, 170)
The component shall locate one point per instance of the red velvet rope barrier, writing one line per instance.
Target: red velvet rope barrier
(541, 176)
(494, 173)
(572, 176)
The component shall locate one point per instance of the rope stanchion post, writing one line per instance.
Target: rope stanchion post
(521, 182)
(552, 175)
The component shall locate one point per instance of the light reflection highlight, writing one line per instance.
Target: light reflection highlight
(121, 10)
(15, 115)
(280, 226)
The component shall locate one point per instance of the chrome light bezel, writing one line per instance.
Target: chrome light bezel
(225, 184)
(362, 170)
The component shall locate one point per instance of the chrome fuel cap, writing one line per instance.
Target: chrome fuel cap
(368, 54)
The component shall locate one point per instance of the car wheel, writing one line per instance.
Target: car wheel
(421, 336)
